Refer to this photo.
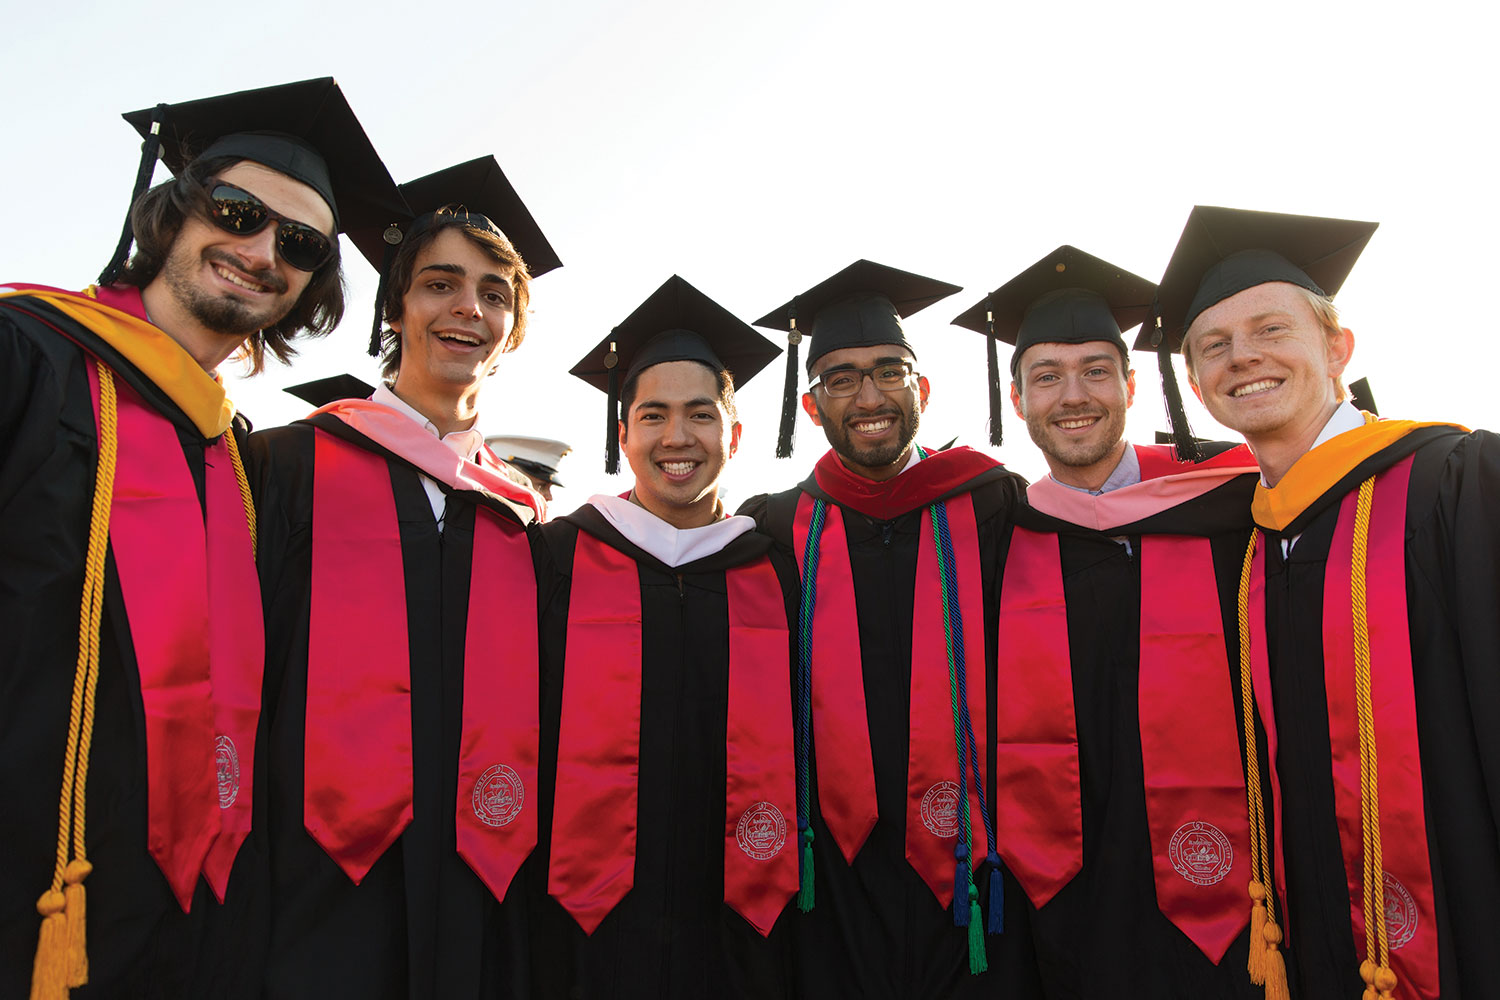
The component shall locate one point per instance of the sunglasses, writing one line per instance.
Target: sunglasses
(240, 212)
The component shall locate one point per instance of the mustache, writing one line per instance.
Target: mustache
(270, 279)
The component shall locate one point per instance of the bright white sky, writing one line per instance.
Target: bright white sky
(758, 148)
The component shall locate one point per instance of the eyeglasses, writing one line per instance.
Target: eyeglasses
(240, 212)
(888, 377)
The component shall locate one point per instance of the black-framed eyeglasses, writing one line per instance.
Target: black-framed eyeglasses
(240, 212)
(888, 377)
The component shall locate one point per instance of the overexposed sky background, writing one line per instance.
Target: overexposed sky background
(757, 148)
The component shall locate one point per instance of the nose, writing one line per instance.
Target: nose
(869, 396)
(1242, 351)
(466, 303)
(675, 434)
(257, 250)
(1075, 390)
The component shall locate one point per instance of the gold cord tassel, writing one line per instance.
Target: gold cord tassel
(1255, 962)
(61, 952)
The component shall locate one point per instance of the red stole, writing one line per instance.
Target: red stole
(595, 817)
(1411, 924)
(1194, 785)
(1038, 808)
(200, 684)
(357, 796)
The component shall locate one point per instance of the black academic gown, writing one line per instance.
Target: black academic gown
(1453, 606)
(877, 931)
(1103, 935)
(140, 943)
(421, 923)
(672, 935)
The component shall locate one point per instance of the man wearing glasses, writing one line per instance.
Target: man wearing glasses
(901, 885)
(129, 598)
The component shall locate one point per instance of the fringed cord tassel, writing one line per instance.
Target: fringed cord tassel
(787, 432)
(149, 150)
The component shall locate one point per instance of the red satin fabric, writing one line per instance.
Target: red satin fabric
(237, 648)
(1410, 913)
(841, 727)
(1038, 809)
(938, 474)
(165, 586)
(598, 757)
(760, 794)
(1260, 679)
(357, 767)
(1159, 460)
(932, 818)
(496, 809)
(1194, 784)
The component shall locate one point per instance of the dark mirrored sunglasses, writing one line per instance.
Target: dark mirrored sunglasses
(240, 212)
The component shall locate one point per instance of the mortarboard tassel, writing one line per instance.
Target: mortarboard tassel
(997, 896)
(997, 401)
(150, 147)
(1182, 433)
(392, 237)
(612, 420)
(788, 431)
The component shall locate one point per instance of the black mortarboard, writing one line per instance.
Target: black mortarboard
(321, 392)
(861, 306)
(1362, 397)
(1224, 251)
(1067, 297)
(478, 187)
(676, 323)
(305, 130)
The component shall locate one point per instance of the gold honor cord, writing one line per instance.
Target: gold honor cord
(61, 953)
(1265, 963)
(1380, 980)
(244, 485)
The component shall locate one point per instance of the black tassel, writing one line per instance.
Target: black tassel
(378, 327)
(149, 150)
(612, 421)
(997, 398)
(1182, 434)
(787, 434)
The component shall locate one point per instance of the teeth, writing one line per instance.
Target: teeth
(235, 279)
(1261, 386)
(1077, 423)
(678, 468)
(460, 338)
(874, 427)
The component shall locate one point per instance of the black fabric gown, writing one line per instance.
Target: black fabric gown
(672, 935)
(1103, 934)
(140, 943)
(1453, 605)
(421, 923)
(877, 930)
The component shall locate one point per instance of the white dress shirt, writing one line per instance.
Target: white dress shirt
(464, 444)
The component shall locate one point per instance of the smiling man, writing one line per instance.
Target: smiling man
(403, 746)
(1151, 805)
(1373, 577)
(898, 548)
(667, 769)
(121, 481)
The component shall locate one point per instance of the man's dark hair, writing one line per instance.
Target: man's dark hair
(721, 375)
(496, 246)
(157, 218)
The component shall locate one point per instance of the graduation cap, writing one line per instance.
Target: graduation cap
(861, 306)
(537, 457)
(321, 392)
(1067, 297)
(305, 130)
(676, 323)
(475, 191)
(1361, 396)
(1224, 251)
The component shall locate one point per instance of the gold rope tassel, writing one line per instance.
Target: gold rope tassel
(1380, 980)
(61, 953)
(1264, 963)
(244, 484)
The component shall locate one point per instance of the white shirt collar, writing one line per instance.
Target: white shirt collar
(1127, 473)
(912, 458)
(673, 546)
(464, 444)
(1345, 417)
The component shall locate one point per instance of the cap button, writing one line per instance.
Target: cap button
(392, 234)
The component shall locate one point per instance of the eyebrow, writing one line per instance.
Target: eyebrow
(657, 404)
(1056, 363)
(849, 366)
(458, 269)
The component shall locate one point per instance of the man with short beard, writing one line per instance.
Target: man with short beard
(898, 547)
(403, 744)
(1149, 809)
(121, 482)
(1373, 577)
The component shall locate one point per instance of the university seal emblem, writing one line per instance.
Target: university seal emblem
(940, 809)
(498, 796)
(761, 832)
(227, 764)
(1400, 911)
(1200, 853)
